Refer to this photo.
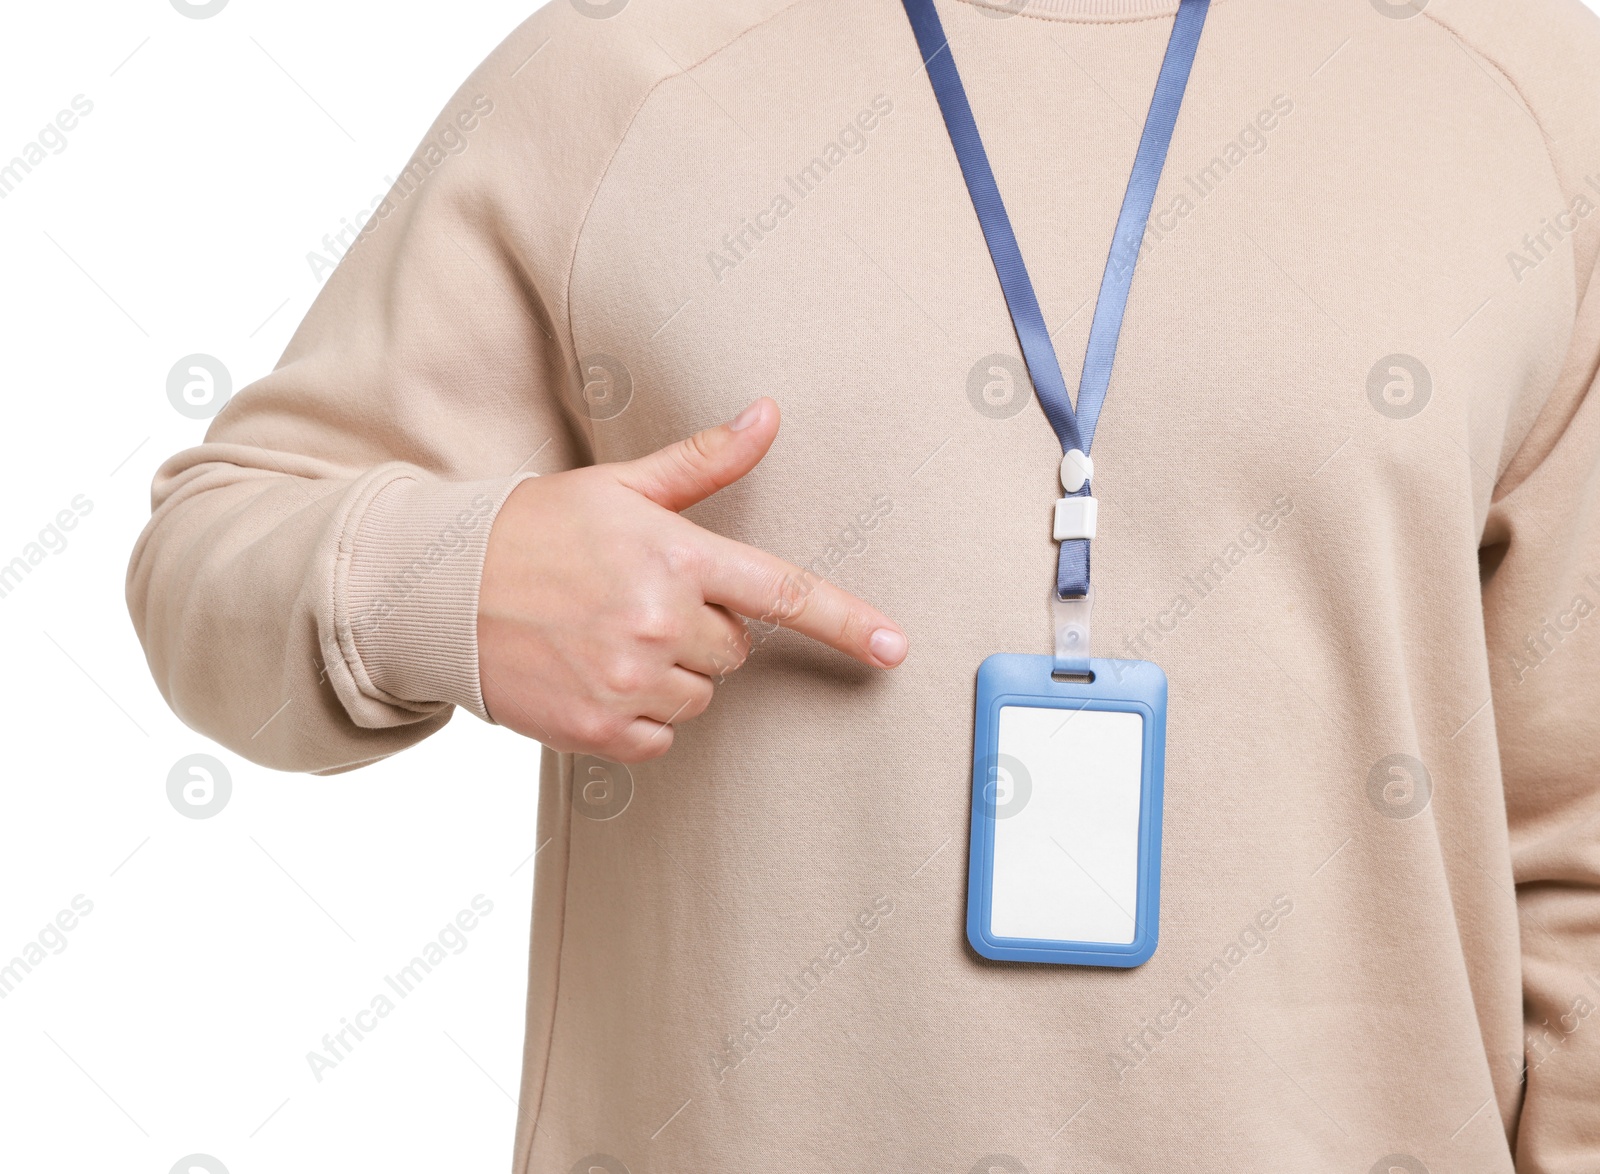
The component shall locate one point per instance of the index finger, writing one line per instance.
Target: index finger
(766, 588)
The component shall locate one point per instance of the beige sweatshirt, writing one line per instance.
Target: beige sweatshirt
(1349, 474)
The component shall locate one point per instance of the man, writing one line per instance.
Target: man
(1350, 465)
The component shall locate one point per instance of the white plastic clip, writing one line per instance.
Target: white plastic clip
(1072, 633)
(1076, 518)
(1077, 469)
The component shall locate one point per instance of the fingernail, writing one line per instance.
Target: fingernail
(745, 418)
(888, 646)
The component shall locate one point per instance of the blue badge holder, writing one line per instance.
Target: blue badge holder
(1089, 896)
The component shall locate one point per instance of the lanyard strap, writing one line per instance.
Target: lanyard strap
(1075, 429)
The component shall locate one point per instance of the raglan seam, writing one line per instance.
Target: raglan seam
(524, 1157)
(1545, 138)
(622, 140)
(1500, 492)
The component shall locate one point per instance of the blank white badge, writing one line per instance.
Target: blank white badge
(1066, 829)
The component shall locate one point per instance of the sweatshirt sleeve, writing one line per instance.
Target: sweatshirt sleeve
(1542, 616)
(306, 588)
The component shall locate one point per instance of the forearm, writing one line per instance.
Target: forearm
(308, 620)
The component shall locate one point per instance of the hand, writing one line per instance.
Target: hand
(603, 616)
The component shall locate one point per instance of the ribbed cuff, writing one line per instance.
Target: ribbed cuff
(407, 602)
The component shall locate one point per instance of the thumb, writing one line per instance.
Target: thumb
(692, 469)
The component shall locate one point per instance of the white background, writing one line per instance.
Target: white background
(178, 1017)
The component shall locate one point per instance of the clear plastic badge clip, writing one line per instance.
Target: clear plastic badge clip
(1071, 618)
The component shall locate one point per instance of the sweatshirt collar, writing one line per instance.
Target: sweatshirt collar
(1081, 10)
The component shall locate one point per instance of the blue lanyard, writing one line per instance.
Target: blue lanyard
(1075, 430)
